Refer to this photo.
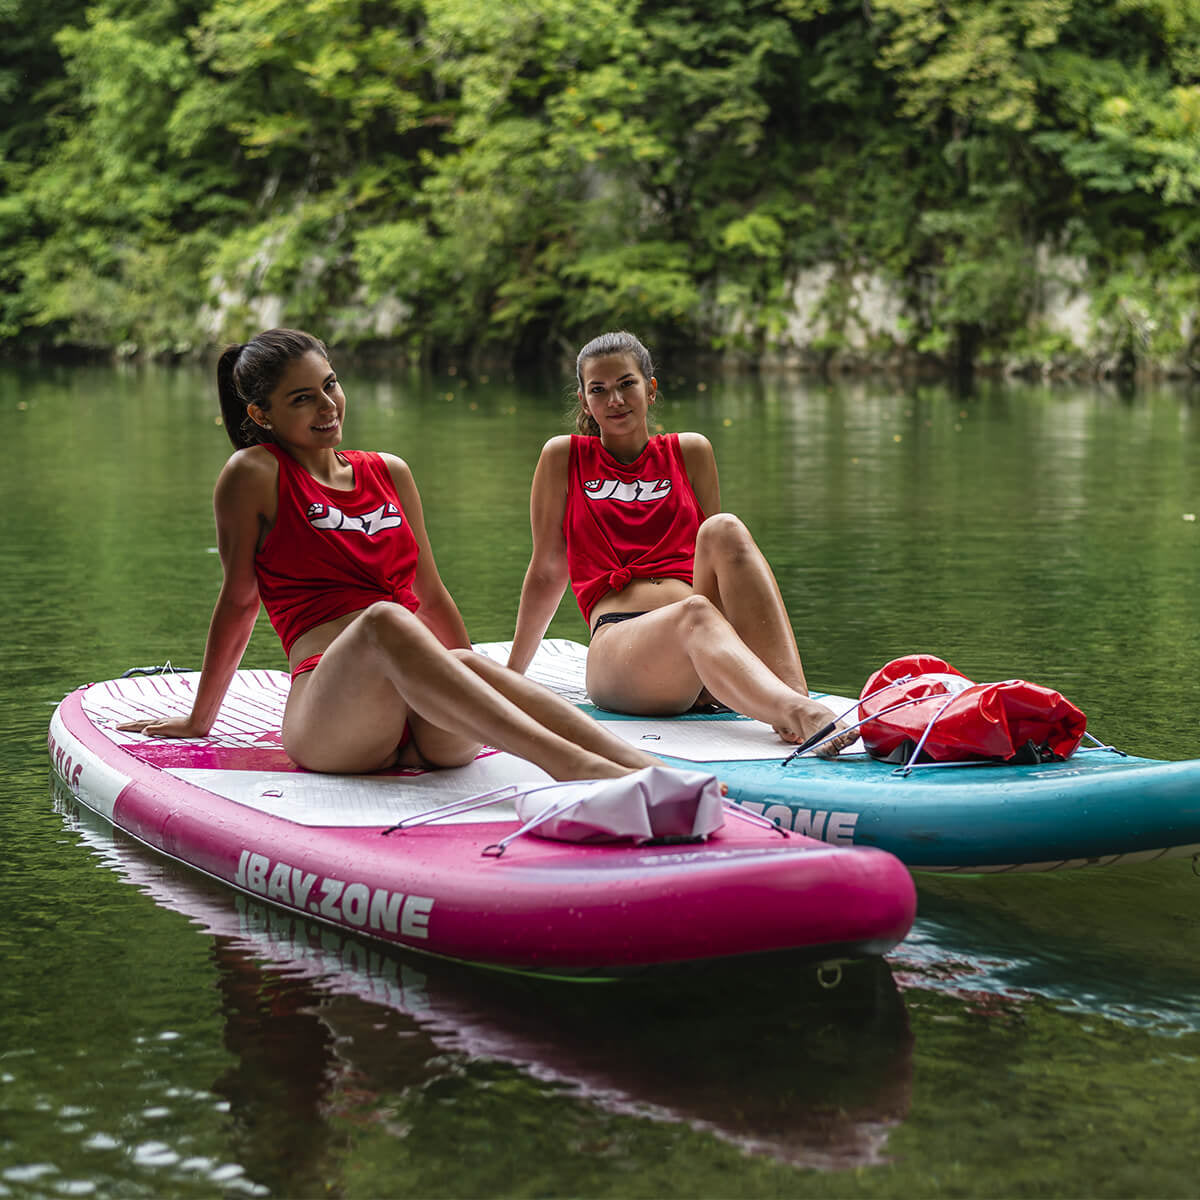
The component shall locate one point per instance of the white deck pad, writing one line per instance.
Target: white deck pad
(369, 800)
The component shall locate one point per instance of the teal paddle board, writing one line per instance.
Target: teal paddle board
(1100, 807)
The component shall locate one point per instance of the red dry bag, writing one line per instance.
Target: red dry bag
(1012, 721)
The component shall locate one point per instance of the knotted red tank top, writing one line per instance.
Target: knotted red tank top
(628, 521)
(334, 552)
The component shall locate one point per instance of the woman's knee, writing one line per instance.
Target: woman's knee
(488, 669)
(724, 535)
(698, 615)
(389, 625)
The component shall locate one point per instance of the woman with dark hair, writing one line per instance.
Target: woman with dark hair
(333, 544)
(683, 607)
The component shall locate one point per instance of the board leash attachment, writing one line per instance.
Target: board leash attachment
(166, 668)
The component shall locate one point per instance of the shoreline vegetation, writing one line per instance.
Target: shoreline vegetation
(798, 364)
(774, 185)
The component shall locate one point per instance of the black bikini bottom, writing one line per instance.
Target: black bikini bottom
(704, 704)
(609, 618)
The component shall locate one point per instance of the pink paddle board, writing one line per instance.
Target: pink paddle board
(233, 806)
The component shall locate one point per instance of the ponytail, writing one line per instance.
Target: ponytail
(233, 408)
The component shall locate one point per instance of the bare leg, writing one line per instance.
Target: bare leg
(657, 664)
(732, 572)
(385, 669)
(555, 713)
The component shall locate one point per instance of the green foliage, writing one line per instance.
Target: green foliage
(975, 60)
(1147, 313)
(514, 176)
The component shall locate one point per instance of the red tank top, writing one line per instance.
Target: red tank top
(628, 521)
(332, 552)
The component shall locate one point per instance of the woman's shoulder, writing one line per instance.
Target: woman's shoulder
(393, 462)
(553, 467)
(556, 453)
(695, 449)
(250, 475)
(694, 441)
(390, 465)
(378, 462)
(252, 463)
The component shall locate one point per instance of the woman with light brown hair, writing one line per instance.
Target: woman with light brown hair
(682, 606)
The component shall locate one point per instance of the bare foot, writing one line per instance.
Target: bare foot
(809, 718)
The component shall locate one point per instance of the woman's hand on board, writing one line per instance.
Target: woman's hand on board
(175, 727)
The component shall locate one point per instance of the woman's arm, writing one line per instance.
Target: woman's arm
(701, 466)
(244, 502)
(438, 611)
(546, 576)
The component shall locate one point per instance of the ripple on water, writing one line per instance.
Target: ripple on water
(80, 1148)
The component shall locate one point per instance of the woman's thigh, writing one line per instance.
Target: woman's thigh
(641, 666)
(347, 716)
(343, 722)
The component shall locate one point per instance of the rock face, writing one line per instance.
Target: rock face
(1074, 325)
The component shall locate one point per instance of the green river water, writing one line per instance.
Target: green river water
(1034, 1036)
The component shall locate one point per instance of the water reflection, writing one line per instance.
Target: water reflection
(811, 1068)
(996, 943)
